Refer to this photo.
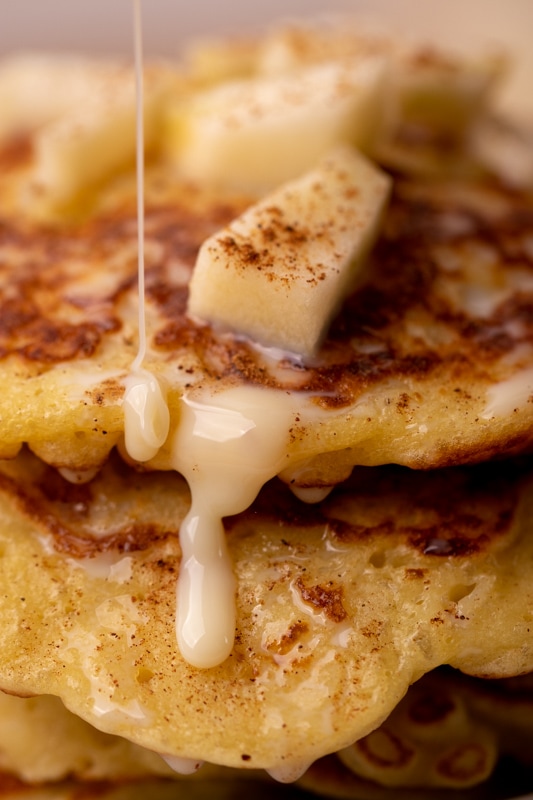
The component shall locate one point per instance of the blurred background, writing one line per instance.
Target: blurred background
(105, 25)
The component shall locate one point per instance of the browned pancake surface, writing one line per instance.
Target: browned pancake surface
(340, 607)
(428, 364)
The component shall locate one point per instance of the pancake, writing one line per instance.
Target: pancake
(340, 607)
(448, 731)
(428, 363)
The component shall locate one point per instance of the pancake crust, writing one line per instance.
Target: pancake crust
(339, 606)
(428, 363)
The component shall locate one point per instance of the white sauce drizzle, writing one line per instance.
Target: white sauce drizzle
(183, 766)
(146, 414)
(139, 99)
(78, 476)
(310, 494)
(226, 447)
(288, 773)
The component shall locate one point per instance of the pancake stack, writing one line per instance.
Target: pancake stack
(371, 492)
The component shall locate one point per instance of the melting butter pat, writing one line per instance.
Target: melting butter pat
(279, 272)
(259, 132)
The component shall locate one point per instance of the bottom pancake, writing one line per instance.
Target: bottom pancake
(448, 732)
(340, 606)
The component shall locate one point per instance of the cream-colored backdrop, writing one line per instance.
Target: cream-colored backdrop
(104, 25)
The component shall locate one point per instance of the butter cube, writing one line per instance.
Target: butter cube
(279, 272)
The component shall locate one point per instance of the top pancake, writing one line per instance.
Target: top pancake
(427, 364)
